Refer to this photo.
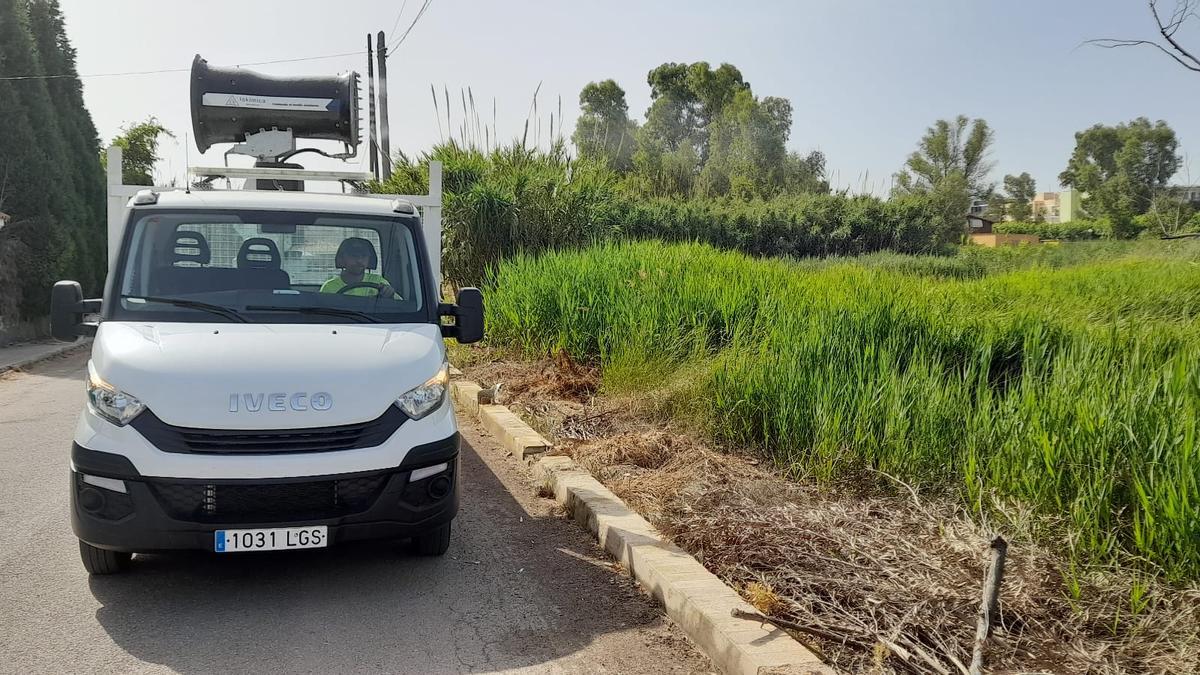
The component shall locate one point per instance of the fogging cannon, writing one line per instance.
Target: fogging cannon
(264, 116)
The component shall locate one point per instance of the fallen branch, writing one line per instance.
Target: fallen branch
(801, 628)
(989, 606)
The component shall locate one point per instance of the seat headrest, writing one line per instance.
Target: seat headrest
(190, 246)
(259, 252)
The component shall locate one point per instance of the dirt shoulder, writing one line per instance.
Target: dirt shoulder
(894, 575)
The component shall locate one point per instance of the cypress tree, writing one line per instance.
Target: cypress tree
(39, 189)
(25, 170)
(82, 143)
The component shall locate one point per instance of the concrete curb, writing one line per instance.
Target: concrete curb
(510, 430)
(694, 597)
(59, 350)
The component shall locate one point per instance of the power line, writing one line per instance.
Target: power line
(303, 58)
(398, 15)
(417, 18)
(173, 70)
(59, 77)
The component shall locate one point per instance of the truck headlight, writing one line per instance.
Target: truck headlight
(420, 401)
(109, 402)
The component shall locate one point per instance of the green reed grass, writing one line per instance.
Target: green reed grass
(1063, 378)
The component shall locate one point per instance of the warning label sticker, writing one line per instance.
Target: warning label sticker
(267, 102)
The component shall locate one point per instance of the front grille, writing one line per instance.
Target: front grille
(242, 502)
(170, 438)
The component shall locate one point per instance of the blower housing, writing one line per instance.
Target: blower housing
(230, 103)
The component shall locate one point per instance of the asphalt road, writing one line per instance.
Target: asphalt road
(521, 589)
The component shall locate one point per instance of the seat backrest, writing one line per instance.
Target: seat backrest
(259, 265)
(259, 253)
(190, 246)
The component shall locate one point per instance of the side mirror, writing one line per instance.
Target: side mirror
(468, 316)
(67, 308)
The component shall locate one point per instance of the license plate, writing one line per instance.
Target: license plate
(271, 539)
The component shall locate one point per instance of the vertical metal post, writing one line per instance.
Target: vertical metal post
(116, 203)
(386, 154)
(432, 222)
(372, 148)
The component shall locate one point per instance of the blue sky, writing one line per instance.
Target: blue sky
(865, 78)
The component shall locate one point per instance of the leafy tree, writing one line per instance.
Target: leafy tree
(1020, 191)
(747, 157)
(673, 118)
(139, 144)
(1169, 214)
(685, 99)
(998, 207)
(1119, 168)
(951, 166)
(804, 174)
(951, 198)
(604, 130)
(706, 133)
(662, 172)
(673, 144)
(949, 148)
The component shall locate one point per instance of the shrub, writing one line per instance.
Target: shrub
(1075, 230)
(515, 199)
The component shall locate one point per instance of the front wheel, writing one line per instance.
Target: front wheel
(434, 542)
(103, 561)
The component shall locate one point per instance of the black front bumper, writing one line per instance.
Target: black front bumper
(159, 514)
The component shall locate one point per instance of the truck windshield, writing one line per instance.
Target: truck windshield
(270, 267)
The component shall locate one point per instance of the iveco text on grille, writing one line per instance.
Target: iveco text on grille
(280, 402)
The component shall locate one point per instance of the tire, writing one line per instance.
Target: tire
(434, 542)
(103, 561)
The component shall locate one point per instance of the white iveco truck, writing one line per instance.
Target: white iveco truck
(268, 368)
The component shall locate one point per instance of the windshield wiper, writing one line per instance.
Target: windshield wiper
(326, 311)
(220, 310)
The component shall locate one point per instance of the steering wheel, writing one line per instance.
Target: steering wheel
(361, 284)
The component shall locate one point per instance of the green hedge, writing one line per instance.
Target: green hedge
(1074, 230)
(516, 199)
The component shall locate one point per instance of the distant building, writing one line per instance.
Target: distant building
(1057, 207)
(996, 239)
(977, 223)
(980, 233)
(1070, 205)
(1045, 205)
(1187, 193)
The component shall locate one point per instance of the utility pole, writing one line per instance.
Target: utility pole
(372, 145)
(381, 54)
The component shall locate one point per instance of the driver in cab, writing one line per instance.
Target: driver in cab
(355, 258)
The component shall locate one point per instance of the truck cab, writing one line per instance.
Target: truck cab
(268, 372)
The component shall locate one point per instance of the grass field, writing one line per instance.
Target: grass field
(1058, 380)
